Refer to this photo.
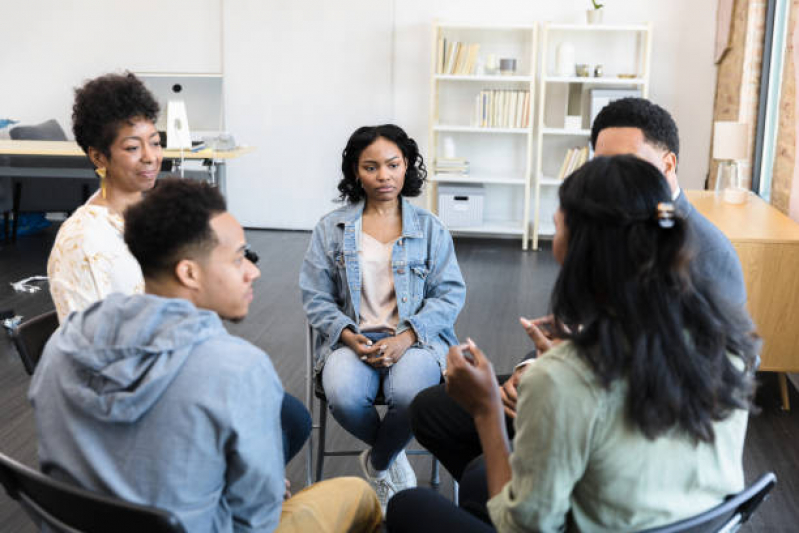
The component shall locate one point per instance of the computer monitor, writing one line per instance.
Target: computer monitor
(201, 94)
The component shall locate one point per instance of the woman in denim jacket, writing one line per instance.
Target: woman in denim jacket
(382, 288)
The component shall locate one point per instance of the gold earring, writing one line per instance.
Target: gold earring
(101, 171)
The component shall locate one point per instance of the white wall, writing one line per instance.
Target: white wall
(49, 47)
(301, 75)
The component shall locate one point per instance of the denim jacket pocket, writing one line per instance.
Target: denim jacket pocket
(339, 273)
(420, 271)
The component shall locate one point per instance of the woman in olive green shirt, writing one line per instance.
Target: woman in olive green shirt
(636, 415)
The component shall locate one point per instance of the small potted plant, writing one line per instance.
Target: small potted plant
(595, 15)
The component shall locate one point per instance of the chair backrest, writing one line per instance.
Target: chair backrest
(30, 336)
(727, 516)
(68, 509)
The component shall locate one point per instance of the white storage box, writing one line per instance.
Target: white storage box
(461, 205)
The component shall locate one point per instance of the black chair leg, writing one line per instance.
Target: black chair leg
(17, 200)
(320, 456)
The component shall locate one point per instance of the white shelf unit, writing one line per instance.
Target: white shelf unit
(500, 158)
(621, 50)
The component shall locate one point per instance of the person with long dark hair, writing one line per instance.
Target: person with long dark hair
(637, 417)
(382, 288)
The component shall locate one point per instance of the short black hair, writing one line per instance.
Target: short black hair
(415, 175)
(655, 123)
(103, 104)
(172, 223)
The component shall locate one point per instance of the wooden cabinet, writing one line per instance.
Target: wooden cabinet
(767, 243)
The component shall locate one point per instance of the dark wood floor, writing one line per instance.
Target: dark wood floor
(503, 283)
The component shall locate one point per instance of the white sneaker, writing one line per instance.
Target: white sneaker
(381, 483)
(401, 472)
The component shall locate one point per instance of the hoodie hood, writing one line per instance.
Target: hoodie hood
(125, 351)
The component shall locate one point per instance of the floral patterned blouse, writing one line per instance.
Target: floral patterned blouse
(90, 260)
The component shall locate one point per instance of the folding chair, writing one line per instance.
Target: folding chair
(65, 508)
(729, 515)
(30, 337)
(315, 390)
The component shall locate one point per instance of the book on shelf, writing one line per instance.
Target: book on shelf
(502, 109)
(441, 55)
(451, 166)
(574, 159)
(456, 58)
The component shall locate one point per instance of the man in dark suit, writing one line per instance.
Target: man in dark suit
(626, 126)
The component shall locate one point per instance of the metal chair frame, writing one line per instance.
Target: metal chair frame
(314, 390)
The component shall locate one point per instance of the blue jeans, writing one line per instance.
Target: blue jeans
(296, 423)
(351, 387)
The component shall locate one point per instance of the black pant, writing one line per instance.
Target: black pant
(423, 510)
(444, 428)
(295, 421)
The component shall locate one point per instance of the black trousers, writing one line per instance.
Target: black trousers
(446, 430)
(422, 510)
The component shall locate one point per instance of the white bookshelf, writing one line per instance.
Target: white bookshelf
(624, 53)
(500, 158)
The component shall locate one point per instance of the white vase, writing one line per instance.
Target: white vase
(594, 16)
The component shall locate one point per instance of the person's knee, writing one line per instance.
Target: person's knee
(421, 408)
(296, 416)
(362, 501)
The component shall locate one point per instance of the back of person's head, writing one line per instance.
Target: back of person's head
(103, 104)
(656, 124)
(415, 175)
(627, 298)
(172, 223)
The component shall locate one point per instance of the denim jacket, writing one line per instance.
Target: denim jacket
(427, 280)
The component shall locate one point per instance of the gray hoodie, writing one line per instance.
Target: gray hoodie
(151, 400)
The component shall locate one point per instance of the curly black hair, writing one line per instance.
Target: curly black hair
(655, 123)
(415, 176)
(103, 104)
(172, 223)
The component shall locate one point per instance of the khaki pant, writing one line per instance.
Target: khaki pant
(344, 504)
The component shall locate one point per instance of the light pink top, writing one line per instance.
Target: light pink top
(378, 298)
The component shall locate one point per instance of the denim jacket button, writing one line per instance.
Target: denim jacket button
(400, 271)
(404, 298)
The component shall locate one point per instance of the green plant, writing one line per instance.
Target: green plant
(597, 6)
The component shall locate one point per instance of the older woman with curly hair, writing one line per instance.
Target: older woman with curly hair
(382, 288)
(113, 120)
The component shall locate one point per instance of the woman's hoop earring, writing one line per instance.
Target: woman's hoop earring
(101, 172)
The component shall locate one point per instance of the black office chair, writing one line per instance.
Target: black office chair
(315, 390)
(65, 508)
(30, 336)
(727, 516)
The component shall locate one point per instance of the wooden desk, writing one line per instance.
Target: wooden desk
(767, 243)
(213, 159)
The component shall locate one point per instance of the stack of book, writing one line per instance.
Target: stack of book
(575, 158)
(456, 58)
(502, 109)
(451, 167)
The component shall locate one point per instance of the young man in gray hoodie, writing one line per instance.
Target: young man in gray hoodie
(148, 398)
